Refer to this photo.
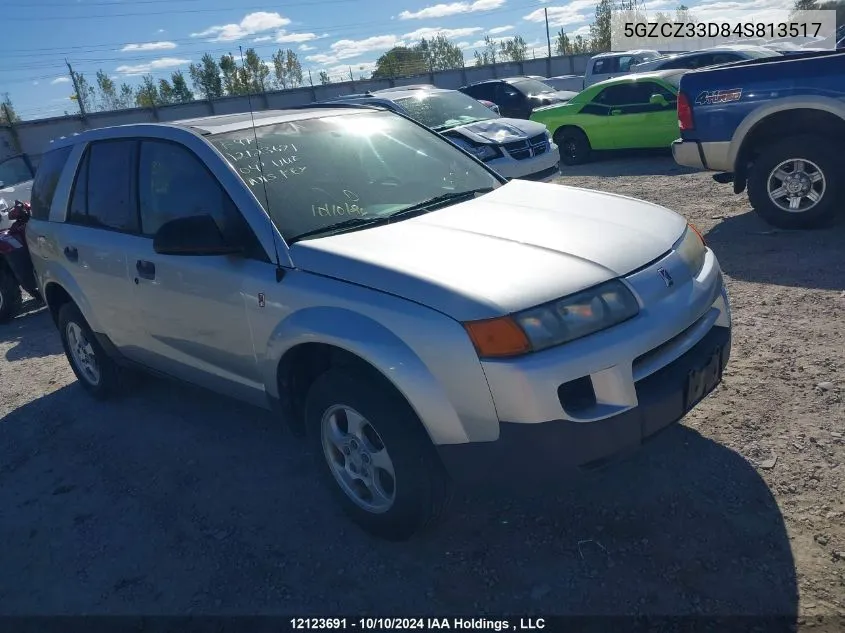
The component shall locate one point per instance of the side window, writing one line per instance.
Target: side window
(78, 211)
(606, 65)
(505, 93)
(46, 180)
(625, 63)
(617, 95)
(725, 58)
(110, 199)
(173, 183)
(482, 91)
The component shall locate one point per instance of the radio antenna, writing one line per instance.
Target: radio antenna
(280, 272)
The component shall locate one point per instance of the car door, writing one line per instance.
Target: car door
(101, 221)
(614, 101)
(635, 122)
(601, 69)
(512, 103)
(193, 309)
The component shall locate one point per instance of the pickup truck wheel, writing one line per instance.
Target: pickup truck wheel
(375, 455)
(10, 296)
(574, 146)
(94, 369)
(795, 183)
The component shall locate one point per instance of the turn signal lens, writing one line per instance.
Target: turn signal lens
(697, 232)
(497, 338)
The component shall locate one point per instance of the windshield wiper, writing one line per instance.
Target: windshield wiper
(340, 227)
(436, 200)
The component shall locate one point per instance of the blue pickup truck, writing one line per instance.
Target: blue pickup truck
(775, 126)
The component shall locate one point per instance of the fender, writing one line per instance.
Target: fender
(381, 348)
(807, 102)
(65, 281)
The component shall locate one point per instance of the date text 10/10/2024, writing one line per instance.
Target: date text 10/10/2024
(418, 624)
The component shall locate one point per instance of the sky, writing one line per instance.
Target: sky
(129, 38)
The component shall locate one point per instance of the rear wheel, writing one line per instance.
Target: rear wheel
(795, 183)
(94, 369)
(10, 296)
(574, 146)
(374, 454)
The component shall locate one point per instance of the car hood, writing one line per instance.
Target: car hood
(519, 246)
(558, 96)
(21, 191)
(498, 130)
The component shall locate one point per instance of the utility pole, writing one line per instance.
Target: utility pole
(548, 37)
(79, 99)
(310, 81)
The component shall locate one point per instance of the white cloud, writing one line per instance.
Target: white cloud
(61, 80)
(575, 13)
(148, 67)
(284, 37)
(160, 31)
(305, 47)
(341, 72)
(500, 29)
(148, 46)
(263, 38)
(252, 24)
(34, 83)
(482, 43)
(429, 32)
(452, 8)
(463, 45)
(347, 49)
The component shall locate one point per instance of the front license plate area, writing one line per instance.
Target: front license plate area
(702, 381)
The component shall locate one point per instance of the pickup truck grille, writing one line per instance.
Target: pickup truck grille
(534, 146)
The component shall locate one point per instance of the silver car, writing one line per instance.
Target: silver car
(418, 318)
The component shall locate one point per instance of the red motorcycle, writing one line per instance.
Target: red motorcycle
(16, 269)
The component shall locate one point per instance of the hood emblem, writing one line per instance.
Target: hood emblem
(666, 277)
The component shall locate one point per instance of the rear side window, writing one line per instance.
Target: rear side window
(482, 91)
(46, 180)
(605, 65)
(103, 194)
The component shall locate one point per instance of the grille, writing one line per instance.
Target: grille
(520, 150)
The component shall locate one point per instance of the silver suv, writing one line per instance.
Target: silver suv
(418, 318)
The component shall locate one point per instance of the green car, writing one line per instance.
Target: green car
(634, 111)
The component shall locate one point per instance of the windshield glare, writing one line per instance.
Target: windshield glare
(442, 110)
(531, 86)
(319, 172)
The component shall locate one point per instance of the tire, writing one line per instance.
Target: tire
(76, 334)
(420, 491)
(818, 156)
(574, 146)
(10, 296)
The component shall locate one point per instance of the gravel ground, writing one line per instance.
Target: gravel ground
(172, 500)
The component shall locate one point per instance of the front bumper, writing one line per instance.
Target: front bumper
(544, 451)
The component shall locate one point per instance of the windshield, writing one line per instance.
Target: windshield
(531, 86)
(15, 171)
(322, 171)
(442, 110)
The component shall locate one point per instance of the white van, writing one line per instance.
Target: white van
(610, 65)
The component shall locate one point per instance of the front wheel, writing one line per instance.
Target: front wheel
(574, 146)
(374, 454)
(795, 183)
(10, 296)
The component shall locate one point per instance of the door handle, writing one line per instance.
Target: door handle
(615, 112)
(71, 253)
(146, 270)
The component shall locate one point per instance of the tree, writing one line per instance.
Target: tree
(287, 69)
(147, 94)
(254, 73)
(399, 61)
(600, 29)
(107, 97)
(804, 5)
(7, 110)
(513, 50)
(232, 83)
(181, 92)
(489, 54)
(85, 91)
(324, 78)
(440, 53)
(165, 93)
(562, 44)
(205, 76)
(580, 46)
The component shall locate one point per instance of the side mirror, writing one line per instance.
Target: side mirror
(657, 99)
(194, 235)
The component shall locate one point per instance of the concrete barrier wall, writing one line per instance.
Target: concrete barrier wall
(33, 137)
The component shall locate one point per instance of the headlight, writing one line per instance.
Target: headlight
(691, 249)
(481, 152)
(554, 323)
